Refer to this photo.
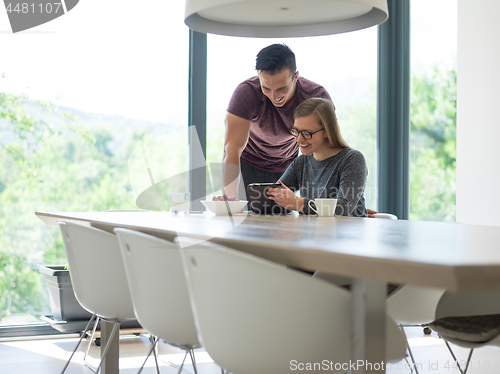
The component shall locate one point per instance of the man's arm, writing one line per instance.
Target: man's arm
(236, 138)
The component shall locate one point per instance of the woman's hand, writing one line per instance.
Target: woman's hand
(286, 198)
(371, 212)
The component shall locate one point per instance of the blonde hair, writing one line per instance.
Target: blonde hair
(324, 111)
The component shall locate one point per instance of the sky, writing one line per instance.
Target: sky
(116, 57)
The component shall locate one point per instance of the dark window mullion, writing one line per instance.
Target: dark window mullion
(197, 117)
(393, 111)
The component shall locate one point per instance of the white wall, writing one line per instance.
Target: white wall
(478, 112)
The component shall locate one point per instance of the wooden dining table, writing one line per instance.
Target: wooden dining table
(371, 251)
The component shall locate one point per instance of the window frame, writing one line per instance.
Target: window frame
(393, 124)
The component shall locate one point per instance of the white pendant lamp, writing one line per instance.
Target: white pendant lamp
(283, 18)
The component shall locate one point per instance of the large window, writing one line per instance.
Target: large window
(345, 64)
(433, 110)
(90, 108)
(94, 111)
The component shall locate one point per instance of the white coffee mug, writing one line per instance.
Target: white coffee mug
(324, 207)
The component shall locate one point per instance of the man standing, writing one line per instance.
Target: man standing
(257, 141)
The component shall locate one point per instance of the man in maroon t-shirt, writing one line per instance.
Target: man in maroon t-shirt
(260, 112)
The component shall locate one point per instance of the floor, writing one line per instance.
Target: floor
(46, 355)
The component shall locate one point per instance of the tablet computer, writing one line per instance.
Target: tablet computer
(260, 202)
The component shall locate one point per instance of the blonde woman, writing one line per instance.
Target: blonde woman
(327, 168)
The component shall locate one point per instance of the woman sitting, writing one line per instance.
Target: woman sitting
(327, 168)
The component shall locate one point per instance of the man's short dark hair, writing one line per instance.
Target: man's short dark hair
(274, 58)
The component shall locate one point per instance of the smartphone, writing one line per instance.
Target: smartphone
(260, 203)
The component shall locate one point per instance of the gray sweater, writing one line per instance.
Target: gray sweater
(341, 177)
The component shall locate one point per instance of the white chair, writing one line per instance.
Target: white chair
(468, 319)
(100, 285)
(411, 305)
(158, 288)
(255, 316)
(408, 305)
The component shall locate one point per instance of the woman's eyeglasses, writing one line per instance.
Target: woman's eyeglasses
(305, 134)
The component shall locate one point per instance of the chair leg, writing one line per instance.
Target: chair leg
(116, 326)
(155, 353)
(94, 369)
(180, 368)
(90, 341)
(191, 353)
(456, 361)
(78, 344)
(468, 360)
(414, 364)
(153, 345)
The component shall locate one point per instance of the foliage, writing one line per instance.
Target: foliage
(433, 145)
(48, 161)
(358, 125)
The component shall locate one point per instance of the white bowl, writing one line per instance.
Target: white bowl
(224, 207)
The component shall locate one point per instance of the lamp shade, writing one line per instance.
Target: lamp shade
(283, 18)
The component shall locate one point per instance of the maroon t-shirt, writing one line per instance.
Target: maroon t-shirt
(270, 146)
